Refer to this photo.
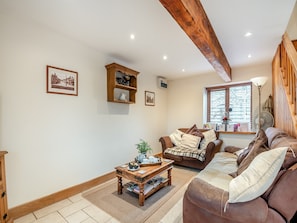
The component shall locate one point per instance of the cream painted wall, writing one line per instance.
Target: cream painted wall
(186, 98)
(57, 141)
(292, 26)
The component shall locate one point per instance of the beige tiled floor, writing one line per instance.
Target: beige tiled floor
(76, 209)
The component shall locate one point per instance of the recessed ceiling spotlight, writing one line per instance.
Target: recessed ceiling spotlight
(132, 36)
(249, 55)
(248, 34)
(164, 57)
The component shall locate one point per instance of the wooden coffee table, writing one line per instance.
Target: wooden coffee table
(143, 175)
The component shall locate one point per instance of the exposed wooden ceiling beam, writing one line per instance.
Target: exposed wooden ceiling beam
(191, 17)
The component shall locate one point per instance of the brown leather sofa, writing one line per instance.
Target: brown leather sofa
(204, 202)
(212, 148)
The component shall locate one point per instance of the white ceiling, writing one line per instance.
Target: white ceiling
(106, 25)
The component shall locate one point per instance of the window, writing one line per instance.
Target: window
(233, 101)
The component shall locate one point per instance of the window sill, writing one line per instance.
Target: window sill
(238, 133)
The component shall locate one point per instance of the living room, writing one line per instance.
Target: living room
(58, 141)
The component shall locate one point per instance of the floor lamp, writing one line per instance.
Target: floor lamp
(259, 82)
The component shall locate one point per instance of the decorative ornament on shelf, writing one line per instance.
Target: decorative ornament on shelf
(123, 97)
(226, 118)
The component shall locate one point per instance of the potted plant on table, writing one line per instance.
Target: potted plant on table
(143, 147)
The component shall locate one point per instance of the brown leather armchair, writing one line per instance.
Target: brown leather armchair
(212, 148)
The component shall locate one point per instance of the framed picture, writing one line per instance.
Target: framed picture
(149, 98)
(61, 81)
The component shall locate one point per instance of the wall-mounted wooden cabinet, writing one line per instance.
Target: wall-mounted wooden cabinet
(121, 84)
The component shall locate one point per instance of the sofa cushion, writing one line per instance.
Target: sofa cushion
(282, 141)
(209, 136)
(194, 131)
(176, 137)
(284, 193)
(260, 137)
(258, 148)
(190, 141)
(258, 177)
(185, 152)
(291, 158)
(268, 191)
(217, 171)
(273, 133)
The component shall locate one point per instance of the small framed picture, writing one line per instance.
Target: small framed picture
(61, 81)
(149, 98)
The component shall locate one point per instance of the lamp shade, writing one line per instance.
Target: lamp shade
(259, 81)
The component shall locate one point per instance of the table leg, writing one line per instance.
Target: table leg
(169, 176)
(141, 194)
(120, 185)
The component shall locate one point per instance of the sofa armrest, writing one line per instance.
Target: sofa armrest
(166, 143)
(231, 149)
(211, 149)
(204, 197)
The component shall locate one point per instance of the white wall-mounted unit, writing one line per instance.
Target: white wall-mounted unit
(162, 82)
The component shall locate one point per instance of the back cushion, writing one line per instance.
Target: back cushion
(283, 196)
(259, 146)
(259, 138)
(176, 137)
(194, 131)
(273, 133)
(189, 141)
(291, 158)
(209, 136)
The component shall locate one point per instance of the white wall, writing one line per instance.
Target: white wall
(57, 141)
(292, 25)
(185, 99)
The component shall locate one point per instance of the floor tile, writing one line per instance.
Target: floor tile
(74, 207)
(113, 220)
(51, 218)
(97, 214)
(89, 220)
(76, 198)
(29, 218)
(52, 208)
(77, 217)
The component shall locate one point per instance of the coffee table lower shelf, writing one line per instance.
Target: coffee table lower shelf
(142, 178)
(151, 190)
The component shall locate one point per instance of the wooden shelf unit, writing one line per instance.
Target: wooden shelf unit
(116, 73)
(4, 217)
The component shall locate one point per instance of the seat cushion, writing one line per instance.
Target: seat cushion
(187, 152)
(217, 171)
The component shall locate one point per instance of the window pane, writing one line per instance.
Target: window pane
(217, 105)
(240, 102)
